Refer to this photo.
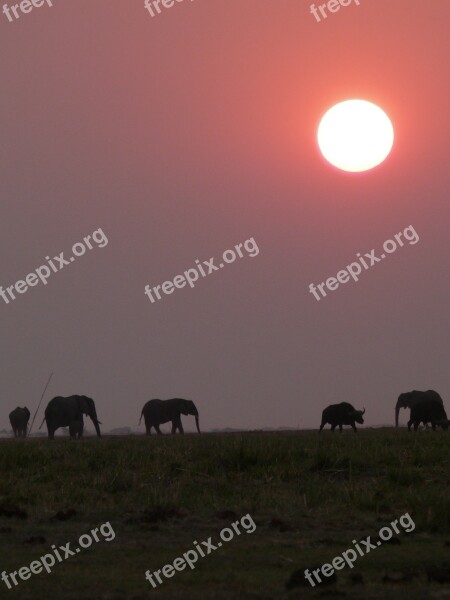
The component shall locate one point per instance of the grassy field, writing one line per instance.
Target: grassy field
(309, 496)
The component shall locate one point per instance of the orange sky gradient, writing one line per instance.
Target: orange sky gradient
(185, 134)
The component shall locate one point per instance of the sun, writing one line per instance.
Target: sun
(355, 135)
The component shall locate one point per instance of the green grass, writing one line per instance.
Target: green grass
(309, 495)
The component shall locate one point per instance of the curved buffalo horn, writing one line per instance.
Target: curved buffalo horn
(363, 411)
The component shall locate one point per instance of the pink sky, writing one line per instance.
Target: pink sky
(185, 134)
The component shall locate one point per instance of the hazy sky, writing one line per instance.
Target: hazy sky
(185, 134)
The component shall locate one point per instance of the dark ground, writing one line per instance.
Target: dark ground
(309, 496)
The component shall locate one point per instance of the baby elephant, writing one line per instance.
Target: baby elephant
(19, 418)
(156, 412)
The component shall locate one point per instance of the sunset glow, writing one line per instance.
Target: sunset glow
(355, 135)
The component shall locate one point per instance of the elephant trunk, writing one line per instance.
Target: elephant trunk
(97, 428)
(197, 423)
(96, 422)
(397, 410)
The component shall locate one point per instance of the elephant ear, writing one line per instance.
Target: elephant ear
(81, 403)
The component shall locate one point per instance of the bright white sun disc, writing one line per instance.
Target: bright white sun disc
(355, 135)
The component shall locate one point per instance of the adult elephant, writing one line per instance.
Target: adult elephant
(19, 418)
(157, 412)
(68, 412)
(411, 399)
(428, 411)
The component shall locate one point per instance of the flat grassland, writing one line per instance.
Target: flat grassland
(309, 496)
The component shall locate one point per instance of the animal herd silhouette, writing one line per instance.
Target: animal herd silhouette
(426, 407)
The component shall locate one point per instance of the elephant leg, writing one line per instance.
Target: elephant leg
(409, 425)
(158, 430)
(340, 428)
(176, 424)
(79, 430)
(321, 427)
(333, 427)
(51, 434)
(416, 425)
